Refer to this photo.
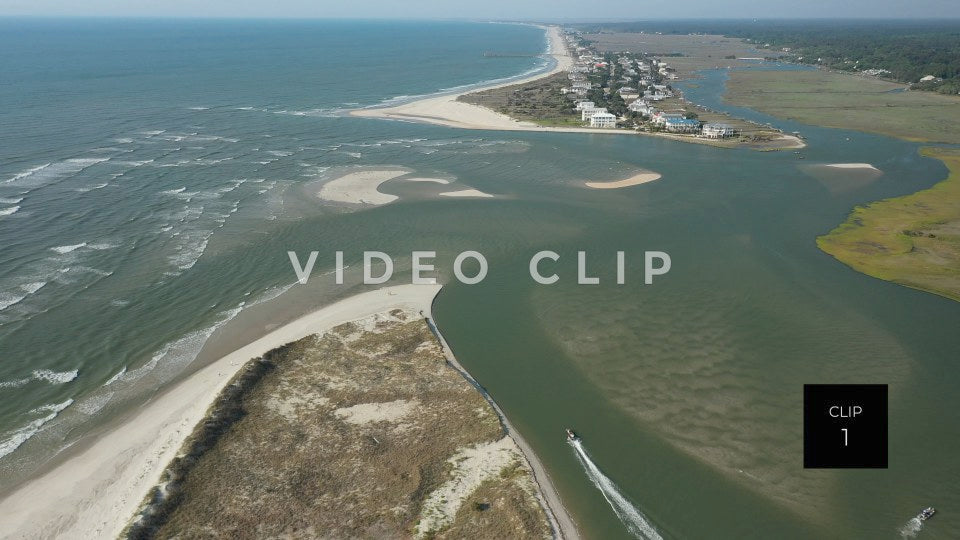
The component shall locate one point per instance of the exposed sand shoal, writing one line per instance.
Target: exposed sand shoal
(466, 193)
(641, 178)
(434, 180)
(360, 187)
(853, 166)
(94, 493)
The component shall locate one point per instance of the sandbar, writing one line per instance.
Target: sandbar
(637, 179)
(466, 193)
(853, 166)
(434, 180)
(360, 187)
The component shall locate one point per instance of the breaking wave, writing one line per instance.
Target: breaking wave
(68, 249)
(13, 439)
(23, 291)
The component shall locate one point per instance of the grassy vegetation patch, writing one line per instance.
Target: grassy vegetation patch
(846, 101)
(340, 435)
(912, 240)
(537, 101)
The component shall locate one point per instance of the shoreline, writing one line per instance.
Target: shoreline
(98, 490)
(560, 520)
(445, 110)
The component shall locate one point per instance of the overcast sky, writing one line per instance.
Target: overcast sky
(491, 9)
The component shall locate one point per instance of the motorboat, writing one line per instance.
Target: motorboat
(572, 435)
(924, 514)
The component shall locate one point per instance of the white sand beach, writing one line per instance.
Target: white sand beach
(637, 179)
(94, 493)
(445, 110)
(466, 193)
(360, 187)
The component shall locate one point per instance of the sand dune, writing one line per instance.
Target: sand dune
(641, 178)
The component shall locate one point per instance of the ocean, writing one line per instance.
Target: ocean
(154, 174)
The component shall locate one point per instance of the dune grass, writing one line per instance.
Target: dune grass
(912, 240)
(341, 435)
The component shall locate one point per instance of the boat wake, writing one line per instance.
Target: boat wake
(630, 515)
(911, 528)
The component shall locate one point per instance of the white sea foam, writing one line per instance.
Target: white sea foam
(198, 108)
(49, 172)
(173, 191)
(93, 404)
(8, 299)
(319, 113)
(116, 377)
(175, 355)
(9, 211)
(279, 153)
(13, 439)
(10, 201)
(68, 249)
(93, 187)
(55, 377)
(28, 172)
(630, 515)
(16, 383)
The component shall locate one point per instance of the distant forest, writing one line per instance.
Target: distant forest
(909, 50)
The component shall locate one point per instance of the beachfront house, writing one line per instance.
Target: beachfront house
(660, 118)
(718, 131)
(681, 125)
(585, 105)
(628, 93)
(642, 107)
(581, 85)
(603, 120)
(586, 114)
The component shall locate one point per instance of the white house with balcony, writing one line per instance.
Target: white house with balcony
(642, 107)
(718, 131)
(586, 114)
(603, 120)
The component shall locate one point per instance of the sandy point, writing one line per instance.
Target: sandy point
(95, 491)
(445, 110)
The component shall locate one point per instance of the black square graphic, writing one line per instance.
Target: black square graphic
(845, 426)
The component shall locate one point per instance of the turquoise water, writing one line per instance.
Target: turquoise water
(161, 170)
